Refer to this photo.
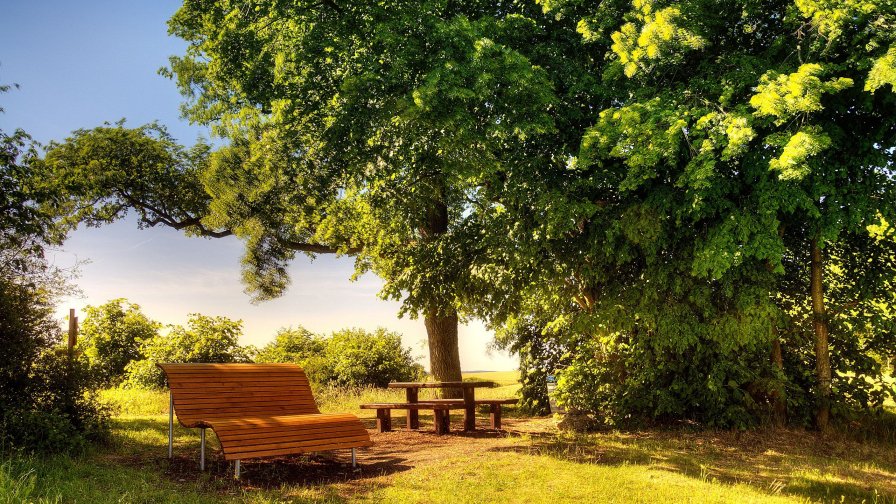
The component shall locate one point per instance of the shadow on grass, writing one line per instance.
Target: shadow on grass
(142, 443)
(789, 462)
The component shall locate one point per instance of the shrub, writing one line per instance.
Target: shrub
(350, 357)
(355, 357)
(46, 398)
(292, 345)
(205, 339)
(112, 336)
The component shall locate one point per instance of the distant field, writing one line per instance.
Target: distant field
(499, 377)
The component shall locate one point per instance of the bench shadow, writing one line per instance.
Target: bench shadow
(763, 460)
(307, 470)
(142, 443)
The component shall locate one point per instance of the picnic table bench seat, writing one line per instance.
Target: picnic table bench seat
(257, 410)
(441, 411)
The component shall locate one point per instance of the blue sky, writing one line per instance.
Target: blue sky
(82, 63)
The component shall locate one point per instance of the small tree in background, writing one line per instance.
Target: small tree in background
(112, 336)
(356, 357)
(350, 357)
(204, 339)
(292, 345)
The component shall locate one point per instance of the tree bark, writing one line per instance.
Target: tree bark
(444, 356)
(822, 350)
(778, 397)
(441, 322)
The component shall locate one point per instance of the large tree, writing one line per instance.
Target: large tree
(380, 130)
(742, 184)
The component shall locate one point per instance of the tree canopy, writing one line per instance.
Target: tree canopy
(377, 130)
(742, 184)
(694, 198)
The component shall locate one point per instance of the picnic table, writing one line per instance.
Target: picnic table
(441, 407)
(412, 390)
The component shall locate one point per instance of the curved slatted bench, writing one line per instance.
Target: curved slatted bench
(256, 410)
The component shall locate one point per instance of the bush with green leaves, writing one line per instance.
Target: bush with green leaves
(539, 357)
(204, 339)
(292, 345)
(47, 402)
(112, 336)
(350, 357)
(356, 357)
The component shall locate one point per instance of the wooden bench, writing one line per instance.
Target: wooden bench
(441, 409)
(256, 410)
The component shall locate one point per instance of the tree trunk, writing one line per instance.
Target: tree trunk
(822, 350)
(444, 356)
(441, 322)
(778, 396)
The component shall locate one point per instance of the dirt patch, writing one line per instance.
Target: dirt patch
(392, 452)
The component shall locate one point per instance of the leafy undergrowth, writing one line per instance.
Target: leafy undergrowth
(530, 462)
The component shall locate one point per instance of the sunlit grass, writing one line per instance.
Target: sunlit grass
(544, 466)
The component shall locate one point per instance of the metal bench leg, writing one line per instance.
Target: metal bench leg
(236, 469)
(354, 459)
(170, 424)
(202, 449)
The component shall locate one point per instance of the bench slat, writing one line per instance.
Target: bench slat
(294, 450)
(283, 431)
(236, 445)
(247, 400)
(311, 443)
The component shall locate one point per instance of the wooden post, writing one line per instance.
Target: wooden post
(495, 415)
(413, 418)
(469, 409)
(384, 420)
(72, 331)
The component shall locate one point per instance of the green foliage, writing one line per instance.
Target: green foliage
(204, 339)
(46, 402)
(539, 356)
(646, 179)
(347, 358)
(292, 345)
(883, 72)
(728, 137)
(112, 335)
(46, 396)
(60, 411)
(786, 96)
(655, 34)
(356, 357)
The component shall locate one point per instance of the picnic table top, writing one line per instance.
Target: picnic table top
(444, 384)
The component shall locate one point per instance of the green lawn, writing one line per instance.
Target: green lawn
(532, 463)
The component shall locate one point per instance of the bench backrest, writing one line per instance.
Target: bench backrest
(208, 392)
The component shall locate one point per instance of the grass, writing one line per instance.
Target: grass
(532, 463)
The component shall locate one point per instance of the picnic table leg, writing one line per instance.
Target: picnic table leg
(413, 416)
(469, 409)
(384, 420)
(495, 411)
